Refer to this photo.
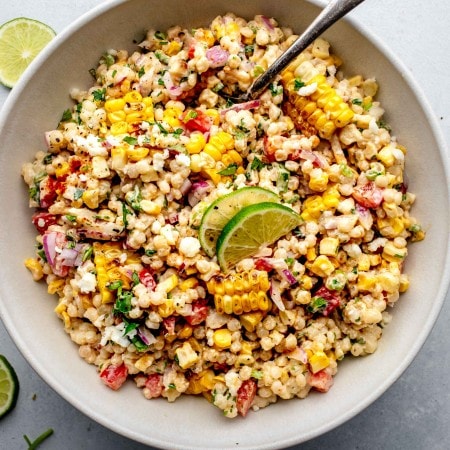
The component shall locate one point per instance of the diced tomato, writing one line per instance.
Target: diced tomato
(49, 189)
(114, 376)
(146, 278)
(368, 195)
(245, 396)
(199, 312)
(42, 220)
(263, 264)
(321, 381)
(333, 300)
(196, 120)
(154, 384)
(191, 52)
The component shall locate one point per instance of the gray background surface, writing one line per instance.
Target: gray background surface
(414, 413)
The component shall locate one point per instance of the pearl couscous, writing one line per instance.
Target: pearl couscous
(126, 177)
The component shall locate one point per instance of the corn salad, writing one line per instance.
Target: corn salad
(121, 187)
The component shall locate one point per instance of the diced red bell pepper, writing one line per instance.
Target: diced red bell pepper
(245, 396)
(321, 381)
(333, 299)
(114, 376)
(199, 312)
(368, 195)
(154, 384)
(196, 120)
(42, 220)
(146, 278)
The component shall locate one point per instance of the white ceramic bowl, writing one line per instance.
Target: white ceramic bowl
(35, 106)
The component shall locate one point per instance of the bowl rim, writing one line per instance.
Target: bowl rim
(437, 133)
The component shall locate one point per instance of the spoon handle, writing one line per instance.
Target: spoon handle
(329, 15)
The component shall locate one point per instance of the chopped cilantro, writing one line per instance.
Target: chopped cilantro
(298, 84)
(67, 115)
(317, 305)
(130, 140)
(357, 101)
(87, 253)
(229, 170)
(160, 35)
(78, 193)
(150, 252)
(257, 164)
(99, 95)
(108, 59)
(71, 218)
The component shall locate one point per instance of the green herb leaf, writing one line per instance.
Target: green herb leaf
(39, 440)
(298, 84)
(130, 140)
(67, 115)
(99, 95)
(229, 170)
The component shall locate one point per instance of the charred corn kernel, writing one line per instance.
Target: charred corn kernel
(114, 104)
(240, 293)
(366, 281)
(116, 116)
(168, 284)
(329, 246)
(60, 308)
(166, 309)
(171, 117)
(185, 332)
(250, 320)
(205, 36)
(212, 151)
(311, 254)
(62, 170)
(90, 198)
(235, 156)
(320, 48)
(189, 283)
(144, 362)
(134, 117)
(404, 283)
(172, 48)
(363, 262)
(55, 286)
(66, 319)
(388, 281)
(186, 356)
(34, 266)
(213, 175)
(318, 361)
(214, 115)
(132, 97)
(135, 154)
(386, 156)
(320, 106)
(222, 338)
(394, 254)
(318, 180)
(322, 266)
(118, 128)
(118, 158)
(196, 142)
(374, 260)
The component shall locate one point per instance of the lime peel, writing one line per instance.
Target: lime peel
(253, 228)
(223, 209)
(9, 387)
(21, 40)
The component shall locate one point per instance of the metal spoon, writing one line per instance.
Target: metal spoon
(335, 10)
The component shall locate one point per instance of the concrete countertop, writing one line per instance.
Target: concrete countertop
(414, 413)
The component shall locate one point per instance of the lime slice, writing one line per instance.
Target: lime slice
(20, 41)
(9, 387)
(252, 228)
(224, 208)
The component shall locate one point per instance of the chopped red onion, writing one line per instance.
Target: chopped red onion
(186, 186)
(289, 277)
(242, 106)
(146, 337)
(68, 256)
(365, 217)
(267, 22)
(173, 90)
(217, 56)
(275, 295)
(198, 192)
(49, 242)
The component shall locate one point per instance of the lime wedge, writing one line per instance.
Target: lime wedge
(224, 208)
(252, 228)
(9, 387)
(21, 40)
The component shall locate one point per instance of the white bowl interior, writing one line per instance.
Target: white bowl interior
(36, 105)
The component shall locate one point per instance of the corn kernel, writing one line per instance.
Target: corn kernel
(118, 128)
(186, 356)
(318, 361)
(311, 254)
(222, 338)
(196, 142)
(212, 151)
(66, 319)
(214, 115)
(169, 283)
(250, 320)
(114, 104)
(189, 283)
(235, 156)
(132, 97)
(118, 158)
(322, 266)
(212, 175)
(144, 362)
(386, 156)
(137, 153)
(55, 286)
(366, 281)
(394, 254)
(185, 332)
(172, 48)
(90, 198)
(166, 309)
(364, 262)
(116, 116)
(171, 117)
(134, 117)
(404, 283)
(35, 268)
(329, 246)
(62, 170)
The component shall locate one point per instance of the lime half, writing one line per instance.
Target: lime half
(252, 228)
(219, 213)
(21, 40)
(9, 387)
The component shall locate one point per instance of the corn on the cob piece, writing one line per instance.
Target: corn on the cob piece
(323, 108)
(240, 293)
